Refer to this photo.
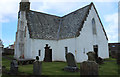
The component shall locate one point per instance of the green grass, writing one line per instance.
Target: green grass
(48, 68)
(6, 63)
(55, 68)
(111, 59)
(108, 68)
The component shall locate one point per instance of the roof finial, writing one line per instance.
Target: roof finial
(91, 2)
(24, 0)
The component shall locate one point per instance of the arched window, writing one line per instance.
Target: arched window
(25, 31)
(94, 26)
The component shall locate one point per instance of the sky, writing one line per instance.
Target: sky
(107, 10)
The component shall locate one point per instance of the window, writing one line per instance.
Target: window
(66, 50)
(39, 52)
(25, 31)
(94, 26)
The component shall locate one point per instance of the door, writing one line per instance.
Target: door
(50, 55)
(95, 47)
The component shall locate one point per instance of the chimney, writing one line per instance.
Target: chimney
(24, 5)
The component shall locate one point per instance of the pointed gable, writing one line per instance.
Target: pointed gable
(50, 27)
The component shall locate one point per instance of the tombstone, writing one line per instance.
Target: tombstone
(71, 63)
(91, 56)
(3, 69)
(99, 60)
(13, 67)
(37, 67)
(89, 68)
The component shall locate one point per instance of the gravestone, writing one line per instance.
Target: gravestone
(89, 68)
(91, 56)
(14, 67)
(71, 63)
(3, 69)
(37, 67)
(99, 60)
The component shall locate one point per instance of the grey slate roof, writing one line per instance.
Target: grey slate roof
(42, 26)
(50, 27)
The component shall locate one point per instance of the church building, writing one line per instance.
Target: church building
(78, 32)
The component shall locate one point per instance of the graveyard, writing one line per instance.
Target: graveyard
(109, 67)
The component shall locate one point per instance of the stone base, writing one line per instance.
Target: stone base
(71, 69)
(14, 71)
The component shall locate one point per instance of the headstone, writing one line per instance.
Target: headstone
(99, 60)
(3, 69)
(71, 63)
(89, 68)
(37, 67)
(91, 56)
(14, 67)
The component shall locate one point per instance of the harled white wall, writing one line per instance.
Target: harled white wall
(82, 44)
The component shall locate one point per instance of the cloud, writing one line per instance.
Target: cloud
(112, 27)
(8, 10)
(58, 8)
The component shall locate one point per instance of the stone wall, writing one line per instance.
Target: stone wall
(8, 51)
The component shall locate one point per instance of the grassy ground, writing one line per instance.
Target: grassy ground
(55, 68)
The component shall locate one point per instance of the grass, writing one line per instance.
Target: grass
(48, 68)
(55, 68)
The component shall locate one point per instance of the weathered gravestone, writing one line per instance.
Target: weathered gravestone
(14, 67)
(37, 67)
(91, 56)
(99, 60)
(71, 63)
(89, 68)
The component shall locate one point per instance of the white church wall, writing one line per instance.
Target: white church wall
(82, 44)
(101, 38)
(87, 39)
(39, 44)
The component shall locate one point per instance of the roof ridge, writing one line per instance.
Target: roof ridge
(86, 15)
(64, 15)
(45, 13)
(78, 9)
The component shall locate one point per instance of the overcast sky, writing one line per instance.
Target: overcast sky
(108, 12)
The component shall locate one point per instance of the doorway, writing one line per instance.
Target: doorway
(48, 54)
(95, 48)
